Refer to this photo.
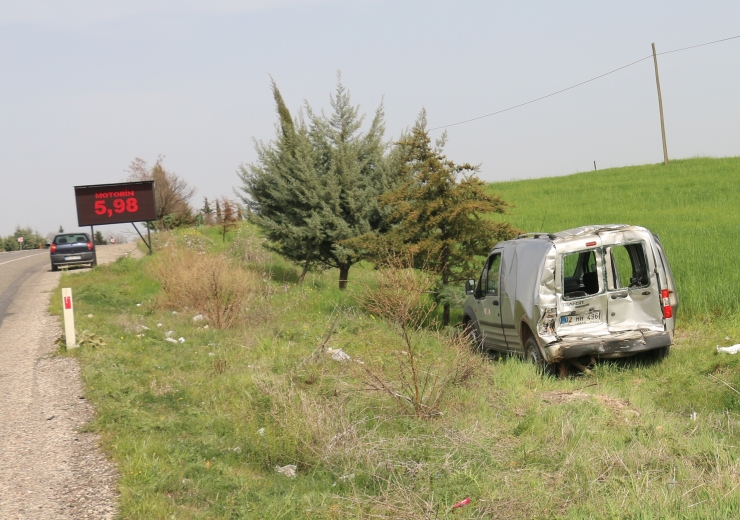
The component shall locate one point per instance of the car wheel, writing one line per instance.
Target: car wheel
(534, 355)
(94, 262)
(476, 338)
(54, 267)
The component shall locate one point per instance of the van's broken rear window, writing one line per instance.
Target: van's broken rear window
(629, 267)
(580, 274)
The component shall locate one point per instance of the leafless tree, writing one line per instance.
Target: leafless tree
(172, 193)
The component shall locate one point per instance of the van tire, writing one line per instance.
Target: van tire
(476, 338)
(534, 355)
(54, 267)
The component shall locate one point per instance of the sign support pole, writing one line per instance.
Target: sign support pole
(148, 234)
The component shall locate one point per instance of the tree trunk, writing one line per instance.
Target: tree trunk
(303, 274)
(445, 281)
(343, 274)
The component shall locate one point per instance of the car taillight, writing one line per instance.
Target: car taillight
(666, 301)
(89, 246)
(53, 248)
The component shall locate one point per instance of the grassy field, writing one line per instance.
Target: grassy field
(198, 428)
(691, 204)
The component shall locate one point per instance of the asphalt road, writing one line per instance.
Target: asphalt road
(48, 470)
(15, 268)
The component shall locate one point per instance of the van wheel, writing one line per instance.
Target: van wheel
(54, 267)
(534, 355)
(476, 338)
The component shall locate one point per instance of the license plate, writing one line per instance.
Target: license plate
(73, 258)
(580, 319)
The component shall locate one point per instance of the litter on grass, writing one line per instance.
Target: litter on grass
(145, 327)
(288, 471)
(338, 355)
(464, 502)
(181, 340)
(729, 350)
(171, 340)
(199, 317)
(169, 333)
(261, 431)
(159, 324)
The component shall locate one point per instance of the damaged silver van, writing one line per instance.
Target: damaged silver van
(602, 291)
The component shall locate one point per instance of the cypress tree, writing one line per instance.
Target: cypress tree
(317, 184)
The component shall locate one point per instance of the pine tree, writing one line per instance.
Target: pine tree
(438, 214)
(229, 217)
(318, 183)
(219, 218)
(207, 212)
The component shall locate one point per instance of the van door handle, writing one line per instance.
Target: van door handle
(645, 293)
(617, 296)
(495, 302)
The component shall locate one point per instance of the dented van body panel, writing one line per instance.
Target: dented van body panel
(595, 290)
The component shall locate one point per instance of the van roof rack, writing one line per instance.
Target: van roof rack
(537, 235)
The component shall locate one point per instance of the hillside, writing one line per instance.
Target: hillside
(258, 418)
(692, 204)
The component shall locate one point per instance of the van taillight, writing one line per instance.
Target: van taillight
(53, 248)
(89, 246)
(667, 309)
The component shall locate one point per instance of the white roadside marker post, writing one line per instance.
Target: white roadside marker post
(69, 318)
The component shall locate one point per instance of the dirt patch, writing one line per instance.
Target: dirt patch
(618, 406)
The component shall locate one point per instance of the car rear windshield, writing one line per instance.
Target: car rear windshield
(71, 239)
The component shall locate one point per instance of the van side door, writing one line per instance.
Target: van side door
(489, 312)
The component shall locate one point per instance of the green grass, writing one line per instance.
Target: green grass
(192, 442)
(691, 204)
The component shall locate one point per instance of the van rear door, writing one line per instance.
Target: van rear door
(632, 283)
(582, 302)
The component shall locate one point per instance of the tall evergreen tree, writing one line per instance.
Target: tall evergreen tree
(438, 213)
(318, 183)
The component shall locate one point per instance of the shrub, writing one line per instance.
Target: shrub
(429, 361)
(207, 283)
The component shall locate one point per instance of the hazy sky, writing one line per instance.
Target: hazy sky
(87, 85)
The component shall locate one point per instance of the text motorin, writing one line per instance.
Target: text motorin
(113, 194)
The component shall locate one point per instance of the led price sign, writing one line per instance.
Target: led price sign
(115, 203)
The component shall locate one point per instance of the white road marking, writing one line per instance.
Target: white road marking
(29, 256)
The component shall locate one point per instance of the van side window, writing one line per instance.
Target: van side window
(580, 275)
(494, 264)
(629, 266)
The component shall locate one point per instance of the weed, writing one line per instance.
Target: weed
(204, 282)
(420, 379)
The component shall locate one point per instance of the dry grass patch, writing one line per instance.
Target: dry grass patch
(206, 283)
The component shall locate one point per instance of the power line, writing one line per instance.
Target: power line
(580, 84)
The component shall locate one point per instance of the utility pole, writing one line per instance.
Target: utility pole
(660, 105)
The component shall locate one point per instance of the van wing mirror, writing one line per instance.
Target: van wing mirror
(470, 287)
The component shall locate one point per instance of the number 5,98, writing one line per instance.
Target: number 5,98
(130, 205)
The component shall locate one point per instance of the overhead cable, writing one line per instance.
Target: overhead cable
(579, 84)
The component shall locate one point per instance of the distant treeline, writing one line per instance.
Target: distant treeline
(31, 240)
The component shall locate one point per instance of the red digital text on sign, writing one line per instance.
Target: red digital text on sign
(123, 202)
